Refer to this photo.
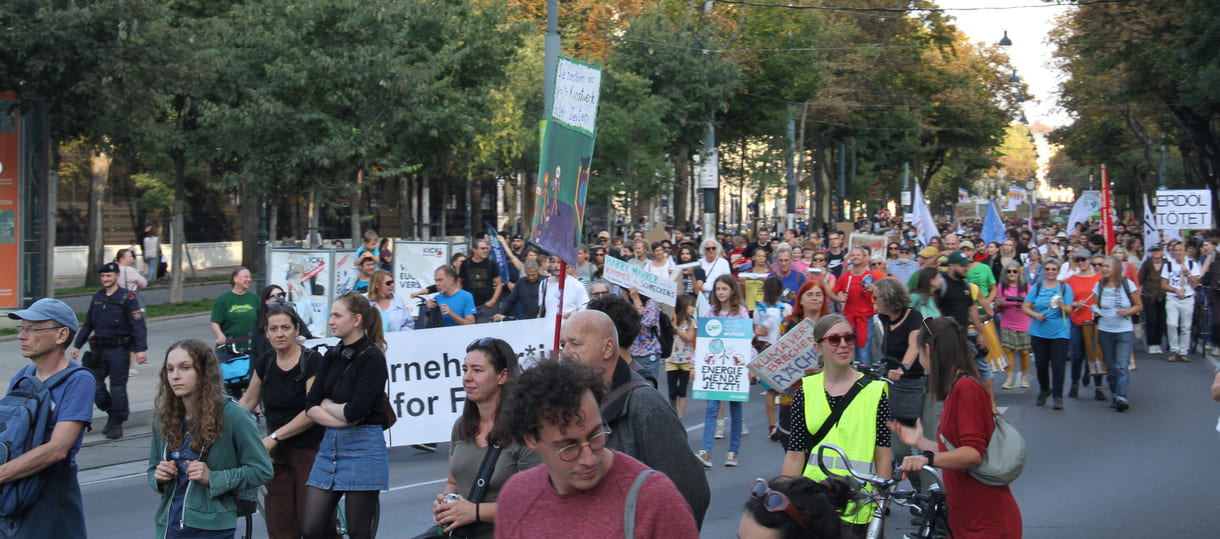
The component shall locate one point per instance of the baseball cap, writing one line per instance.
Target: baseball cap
(928, 252)
(1155, 247)
(109, 267)
(958, 258)
(48, 309)
(966, 244)
(517, 237)
(1082, 253)
(603, 234)
(904, 247)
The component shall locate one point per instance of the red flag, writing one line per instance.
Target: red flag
(1107, 210)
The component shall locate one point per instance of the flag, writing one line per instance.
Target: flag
(1151, 236)
(963, 195)
(497, 251)
(993, 225)
(1033, 232)
(925, 227)
(1107, 210)
(1087, 205)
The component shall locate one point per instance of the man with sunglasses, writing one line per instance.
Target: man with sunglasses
(583, 488)
(46, 330)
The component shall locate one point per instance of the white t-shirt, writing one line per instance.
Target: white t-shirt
(1109, 302)
(1179, 275)
(711, 271)
(575, 297)
(660, 271)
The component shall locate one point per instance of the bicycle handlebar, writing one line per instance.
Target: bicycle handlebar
(870, 479)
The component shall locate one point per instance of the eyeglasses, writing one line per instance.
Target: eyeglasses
(389, 282)
(279, 295)
(23, 329)
(775, 501)
(709, 248)
(837, 340)
(571, 452)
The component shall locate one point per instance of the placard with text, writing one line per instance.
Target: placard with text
(722, 351)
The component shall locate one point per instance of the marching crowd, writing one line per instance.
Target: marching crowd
(910, 341)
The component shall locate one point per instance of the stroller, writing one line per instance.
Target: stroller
(234, 366)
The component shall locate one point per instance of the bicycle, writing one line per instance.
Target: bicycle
(1201, 321)
(930, 506)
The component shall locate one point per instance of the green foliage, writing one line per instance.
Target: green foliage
(156, 192)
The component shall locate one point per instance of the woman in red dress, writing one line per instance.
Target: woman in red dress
(975, 510)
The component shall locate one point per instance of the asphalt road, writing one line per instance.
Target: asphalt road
(1091, 473)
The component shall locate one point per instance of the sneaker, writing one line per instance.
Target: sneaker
(1121, 405)
(719, 435)
(1024, 381)
(731, 459)
(1098, 394)
(1058, 403)
(1074, 392)
(744, 429)
(1008, 382)
(1042, 397)
(705, 458)
(1132, 366)
(113, 432)
(1184, 358)
(773, 432)
(133, 372)
(1155, 349)
(1173, 357)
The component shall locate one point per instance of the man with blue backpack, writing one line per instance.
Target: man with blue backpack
(42, 422)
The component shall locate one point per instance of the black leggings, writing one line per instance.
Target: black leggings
(320, 505)
(1051, 356)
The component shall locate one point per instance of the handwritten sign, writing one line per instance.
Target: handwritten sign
(577, 87)
(783, 363)
(1184, 209)
(623, 274)
(722, 350)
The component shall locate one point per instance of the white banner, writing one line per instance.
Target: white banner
(1184, 209)
(709, 170)
(874, 243)
(305, 276)
(577, 87)
(783, 364)
(346, 272)
(425, 386)
(1088, 204)
(415, 264)
(665, 290)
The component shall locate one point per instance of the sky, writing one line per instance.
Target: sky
(1028, 25)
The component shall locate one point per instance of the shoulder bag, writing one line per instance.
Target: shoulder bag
(1004, 459)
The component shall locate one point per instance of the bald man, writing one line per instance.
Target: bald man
(641, 419)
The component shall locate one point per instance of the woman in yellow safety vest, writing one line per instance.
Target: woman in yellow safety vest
(860, 431)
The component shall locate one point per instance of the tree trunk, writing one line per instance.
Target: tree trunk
(425, 213)
(354, 204)
(99, 168)
(273, 220)
(681, 188)
(312, 225)
(528, 199)
(178, 227)
(249, 227)
(404, 208)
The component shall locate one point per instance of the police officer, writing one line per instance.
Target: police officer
(114, 326)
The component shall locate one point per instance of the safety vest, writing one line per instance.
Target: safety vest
(855, 433)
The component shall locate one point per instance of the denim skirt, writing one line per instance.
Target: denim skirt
(351, 459)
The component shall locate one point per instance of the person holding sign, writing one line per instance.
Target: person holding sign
(726, 303)
(837, 406)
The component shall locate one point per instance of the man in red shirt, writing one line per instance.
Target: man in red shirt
(582, 485)
(854, 290)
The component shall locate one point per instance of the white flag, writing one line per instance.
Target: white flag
(1088, 204)
(925, 227)
(1151, 236)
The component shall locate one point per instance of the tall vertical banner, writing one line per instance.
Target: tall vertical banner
(497, 251)
(1107, 210)
(722, 352)
(415, 264)
(10, 196)
(1152, 236)
(567, 155)
(305, 275)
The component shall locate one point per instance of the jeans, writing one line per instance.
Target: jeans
(112, 362)
(1116, 352)
(650, 363)
(709, 425)
(1154, 320)
(150, 269)
(1051, 356)
(1179, 313)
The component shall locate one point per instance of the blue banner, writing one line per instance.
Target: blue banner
(497, 251)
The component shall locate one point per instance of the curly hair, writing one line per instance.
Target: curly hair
(208, 394)
(891, 295)
(501, 357)
(626, 318)
(820, 504)
(552, 392)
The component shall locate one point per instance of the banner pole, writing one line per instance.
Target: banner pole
(563, 277)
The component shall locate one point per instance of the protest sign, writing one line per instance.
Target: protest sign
(1183, 209)
(722, 350)
(415, 264)
(783, 364)
(663, 290)
(425, 373)
(873, 242)
(305, 276)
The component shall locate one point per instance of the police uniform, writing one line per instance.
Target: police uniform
(114, 327)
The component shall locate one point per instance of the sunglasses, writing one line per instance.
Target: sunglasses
(1097, 265)
(819, 259)
(279, 295)
(775, 501)
(709, 248)
(389, 282)
(838, 340)
(876, 264)
(1013, 272)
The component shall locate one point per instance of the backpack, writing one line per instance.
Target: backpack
(25, 419)
(666, 335)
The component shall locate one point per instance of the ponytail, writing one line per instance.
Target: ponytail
(370, 318)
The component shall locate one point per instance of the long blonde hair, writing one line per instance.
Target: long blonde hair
(209, 393)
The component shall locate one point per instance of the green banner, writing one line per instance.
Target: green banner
(567, 154)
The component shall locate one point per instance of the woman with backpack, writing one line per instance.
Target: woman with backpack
(1047, 306)
(205, 456)
(279, 381)
(966, 424)
(1117, 301)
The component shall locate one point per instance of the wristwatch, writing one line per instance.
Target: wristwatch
(276, 436)
(929, 456)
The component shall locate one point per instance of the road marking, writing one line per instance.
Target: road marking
(115, 472)
(420, 484)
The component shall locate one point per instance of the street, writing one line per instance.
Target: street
(1091, 472)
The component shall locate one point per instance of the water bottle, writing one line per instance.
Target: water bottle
(440, 528)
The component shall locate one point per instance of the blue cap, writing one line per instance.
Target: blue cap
(48, 309)
(109, 267)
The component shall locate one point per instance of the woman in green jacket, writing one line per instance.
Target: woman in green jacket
(206, 451)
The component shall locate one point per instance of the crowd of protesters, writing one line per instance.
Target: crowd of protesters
(542, 451)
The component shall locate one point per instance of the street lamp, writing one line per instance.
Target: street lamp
(1004, 41)
(1014, 78)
